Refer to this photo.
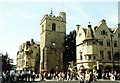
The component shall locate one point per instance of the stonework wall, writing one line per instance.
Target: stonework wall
(28, 55)
(52, 41)
(101, 33)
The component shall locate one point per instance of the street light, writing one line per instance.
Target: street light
(97, 65)
(112, 51)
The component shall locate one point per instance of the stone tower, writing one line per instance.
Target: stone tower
(52, 37)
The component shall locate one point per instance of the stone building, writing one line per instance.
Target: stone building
(28, 56)
(52, 37)
(98, 47)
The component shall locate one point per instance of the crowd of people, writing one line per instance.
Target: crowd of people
(84, 77)
(23, 75)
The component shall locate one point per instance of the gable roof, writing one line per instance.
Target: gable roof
(89, 34)
(113, 30)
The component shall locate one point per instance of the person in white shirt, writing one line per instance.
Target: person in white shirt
(12, 75)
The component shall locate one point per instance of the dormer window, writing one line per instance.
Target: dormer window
(103, 32)
(53, 27)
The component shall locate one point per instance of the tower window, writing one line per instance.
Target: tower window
(53, 27)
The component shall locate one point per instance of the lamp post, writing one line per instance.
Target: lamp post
(98, 59)
(97, 65)
(112, 52)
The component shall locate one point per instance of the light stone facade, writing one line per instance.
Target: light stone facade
(96, 47)
(28, 56)
(52, 37)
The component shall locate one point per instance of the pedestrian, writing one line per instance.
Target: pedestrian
(87, 77)
(33, 76)
(81, 77)
(91, 76)
(68, 76)
(12, 75)
(28, 75)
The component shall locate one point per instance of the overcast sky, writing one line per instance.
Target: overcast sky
(19, 20)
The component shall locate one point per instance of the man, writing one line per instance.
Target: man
(12, 75)
(81, 77)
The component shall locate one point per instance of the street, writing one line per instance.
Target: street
(75, 81)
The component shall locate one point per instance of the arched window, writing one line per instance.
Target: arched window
(103, 32)
(53, 26)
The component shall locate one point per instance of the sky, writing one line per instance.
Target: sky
(20, 19)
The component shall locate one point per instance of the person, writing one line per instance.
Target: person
(81, 77)
(112, 77)
(68, 76)
(42, 76)
(33, 76)
(87, 77)
(3, 76)
(28, 75)
(12, 75)
(91, 76)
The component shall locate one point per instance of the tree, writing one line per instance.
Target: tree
(6, 62)
(70, 48)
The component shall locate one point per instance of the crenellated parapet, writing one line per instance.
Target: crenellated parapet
(61, 17)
